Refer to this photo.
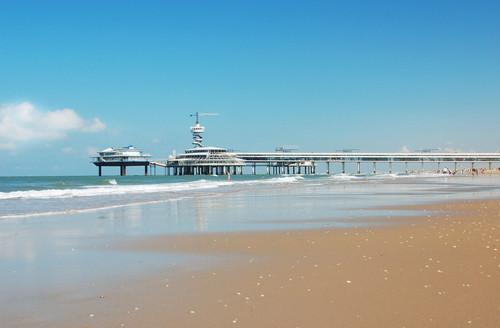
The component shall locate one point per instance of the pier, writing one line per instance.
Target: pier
(277, 163)
(207, 160)
(202, 160)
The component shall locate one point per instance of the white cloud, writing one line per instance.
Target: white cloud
(95, 125)
(452, 150)
(405, 149)
(23, 122)
(7, 146)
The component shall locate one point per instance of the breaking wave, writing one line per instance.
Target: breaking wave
(112, 188)
(385, 176)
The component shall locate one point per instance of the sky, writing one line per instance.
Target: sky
(79, 76)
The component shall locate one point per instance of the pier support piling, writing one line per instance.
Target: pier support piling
(123, 170)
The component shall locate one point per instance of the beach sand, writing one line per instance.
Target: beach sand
(441, 269)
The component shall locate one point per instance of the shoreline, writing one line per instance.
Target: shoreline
(436, 270)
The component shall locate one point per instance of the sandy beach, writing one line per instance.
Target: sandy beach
(441, 269)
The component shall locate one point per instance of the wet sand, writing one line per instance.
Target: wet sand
(441, 269)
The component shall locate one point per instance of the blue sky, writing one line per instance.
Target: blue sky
(323, 75)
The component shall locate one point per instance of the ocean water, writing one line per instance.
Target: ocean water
(57, 233)
(46, 196)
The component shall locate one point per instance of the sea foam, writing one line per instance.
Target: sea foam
(113, 188)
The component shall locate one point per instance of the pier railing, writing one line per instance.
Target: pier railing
(370, 157)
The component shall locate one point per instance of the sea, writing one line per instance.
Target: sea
(23, 197)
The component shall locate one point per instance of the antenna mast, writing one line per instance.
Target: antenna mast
(197, 129)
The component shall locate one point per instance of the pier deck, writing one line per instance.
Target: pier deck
(307, 162)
